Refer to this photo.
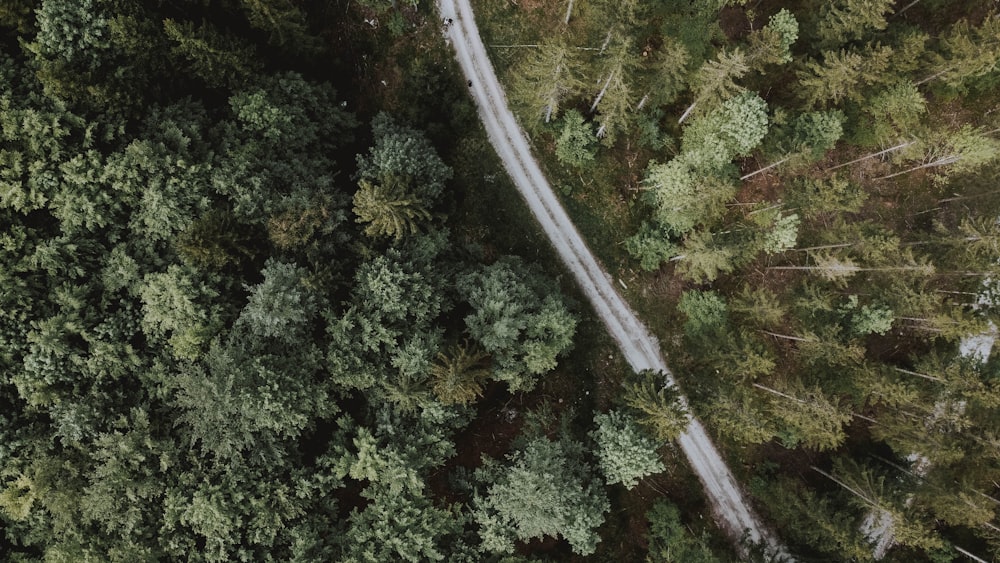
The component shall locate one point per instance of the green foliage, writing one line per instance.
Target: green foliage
(843, 75)
(402, 152)
(518, 319)
(459, 375)
(177, 306)
(74, 33)
(845, 20)
(895, 112)
(284, 21)
(544, 490)
(707, 313)
(575, 145)
(625, 454)
(401, 527)
(658, 404)
(546, 78)
(704, 257)
(388, 210)
(816, 132)
(865, 319)
(651, 246)
(219, 59)
(816, 521)
(281, 306)
(670, 542)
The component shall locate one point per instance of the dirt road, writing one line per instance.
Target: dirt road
(641, 349)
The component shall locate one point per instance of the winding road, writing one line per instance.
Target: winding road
(729, 505)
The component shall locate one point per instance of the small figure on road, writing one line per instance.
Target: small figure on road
(470, 84)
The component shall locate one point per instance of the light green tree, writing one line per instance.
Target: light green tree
(547, 77)
(575, 146)
(625, 453)
(657, 404)
(845, 20)
(545, 489)
(706, 311)
(388, 210)
(670, 542)
(518, 319)
(458, 376)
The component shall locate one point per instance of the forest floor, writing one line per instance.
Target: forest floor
(640, 348)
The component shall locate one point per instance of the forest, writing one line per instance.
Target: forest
(267, 294)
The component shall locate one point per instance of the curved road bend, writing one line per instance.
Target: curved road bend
(640, 348)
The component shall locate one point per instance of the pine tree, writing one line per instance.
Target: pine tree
(544, 490)
(458, 376)
(845, 20)
(625, 454)
(388, 210)
(657, 404)
(546, 78)
(219, 59)
(842, 75)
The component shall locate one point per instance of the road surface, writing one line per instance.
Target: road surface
(640, 348)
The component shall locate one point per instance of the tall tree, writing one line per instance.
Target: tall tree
(546, 78)
(545, 489)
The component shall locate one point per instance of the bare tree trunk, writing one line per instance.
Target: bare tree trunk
(824, 247)
(642, 102)
(569, 10)
(600, 95)
(764, 169)
(923, 375)
(969, 555)
(607, 39)
(932, 77)
(906, 7)
(686, 112)
(846, 487)
(787, 337)
(778, 393)
(852, 269)
(952, 159)
(873, 155)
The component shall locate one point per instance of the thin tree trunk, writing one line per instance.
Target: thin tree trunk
(607, 39)
(764, 169)
(939, 162)
(642, 102)
(932, 77)
(569, 10)
(958, 198)
(906, 7)
(923, 375)
(778, 393)
(866, 418)
(852, 269)
(689, 109)
(969, 555)
(825, 247)
(847, 487)
(600, 95)
(873, 155)
(787, 337)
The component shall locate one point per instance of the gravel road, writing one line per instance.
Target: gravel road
(730, 507)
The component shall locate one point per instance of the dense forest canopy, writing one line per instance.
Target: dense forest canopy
(810, 189)
(262, 295)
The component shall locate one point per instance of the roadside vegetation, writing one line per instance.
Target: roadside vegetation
(801, 199)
